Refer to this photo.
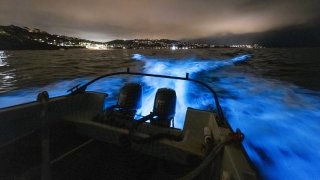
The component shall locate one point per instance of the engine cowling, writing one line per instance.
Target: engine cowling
(164, 107)
(130, 96)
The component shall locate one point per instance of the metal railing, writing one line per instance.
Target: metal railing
(80, 89)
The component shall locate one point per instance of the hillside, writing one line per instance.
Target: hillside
(14, 38)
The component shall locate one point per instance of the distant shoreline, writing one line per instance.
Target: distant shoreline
(37, 49)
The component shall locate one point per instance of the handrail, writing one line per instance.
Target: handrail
(81, 89)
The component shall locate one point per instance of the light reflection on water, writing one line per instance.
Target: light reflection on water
(7, 76)
(3, 59)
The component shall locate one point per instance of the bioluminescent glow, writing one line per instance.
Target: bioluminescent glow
(281, 121)
(186, 97)
(107, 85)
(30, 94)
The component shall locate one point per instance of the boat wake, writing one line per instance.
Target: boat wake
(187, 94)
(280, 120)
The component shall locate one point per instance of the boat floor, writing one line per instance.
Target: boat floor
(93, 160)
(102, 161)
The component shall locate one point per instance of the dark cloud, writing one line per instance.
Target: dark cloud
(106, 20)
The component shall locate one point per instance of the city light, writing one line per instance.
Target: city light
(96, 46)
(173, 47)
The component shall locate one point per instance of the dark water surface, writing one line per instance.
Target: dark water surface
(272, 95)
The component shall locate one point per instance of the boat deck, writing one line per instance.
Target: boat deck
(77, 157)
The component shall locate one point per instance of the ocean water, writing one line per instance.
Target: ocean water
(272, 95)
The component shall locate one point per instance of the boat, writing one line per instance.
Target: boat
(74, 137)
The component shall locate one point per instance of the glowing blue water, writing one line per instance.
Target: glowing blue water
(187, 95)
(281, 121)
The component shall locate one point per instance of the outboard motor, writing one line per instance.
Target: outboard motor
(130, 98)
(164, 107)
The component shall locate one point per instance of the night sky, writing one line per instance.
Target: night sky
(104, 20)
